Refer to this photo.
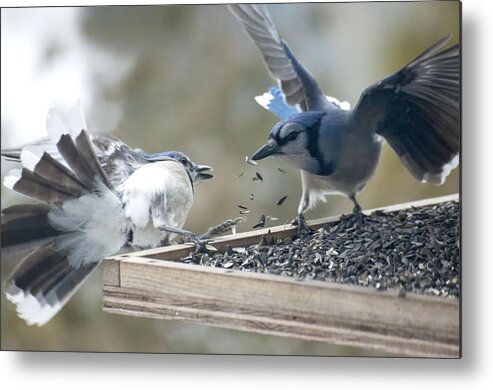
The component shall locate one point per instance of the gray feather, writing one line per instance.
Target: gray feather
(54, 171)
(87, 153)
(25, 223)
(67, 148)
(417, 110)
(298, 86)
(36, 187)
(43, 283)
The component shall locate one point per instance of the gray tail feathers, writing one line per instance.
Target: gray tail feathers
(26, 223)
(79, 222)
(424, 124)
(47, 180)
(43, 282)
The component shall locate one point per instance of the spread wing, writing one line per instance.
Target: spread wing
(417, 110)
(296, 82)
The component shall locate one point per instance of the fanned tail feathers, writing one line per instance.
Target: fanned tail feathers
(79, 221)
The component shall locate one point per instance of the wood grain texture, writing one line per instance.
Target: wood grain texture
(416, 325)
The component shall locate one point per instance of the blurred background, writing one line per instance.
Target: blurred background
(184, 78)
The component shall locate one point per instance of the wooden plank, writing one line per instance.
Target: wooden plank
(416, 325)
(347, 315)
(111, 274)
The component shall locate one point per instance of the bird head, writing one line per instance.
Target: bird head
(296, 140)
(197, 173)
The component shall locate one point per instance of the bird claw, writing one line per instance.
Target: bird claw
(202, 242)
(200, 245)
(302, 227)
(358, 216)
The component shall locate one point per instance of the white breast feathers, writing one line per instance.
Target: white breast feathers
(156, 195)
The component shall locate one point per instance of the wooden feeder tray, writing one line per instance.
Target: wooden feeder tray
(151, 284)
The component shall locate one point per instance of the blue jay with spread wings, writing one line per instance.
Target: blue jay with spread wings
(96, 196)
(337, 149)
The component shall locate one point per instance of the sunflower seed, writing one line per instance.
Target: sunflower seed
(261, 222)
(281, 201)
(248, 160)
(418, 253)
(258, 177)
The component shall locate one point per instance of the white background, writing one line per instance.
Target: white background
(473, 371)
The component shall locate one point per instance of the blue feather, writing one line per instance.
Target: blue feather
(274, 102)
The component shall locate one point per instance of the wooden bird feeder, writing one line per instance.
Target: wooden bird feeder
(153, 284)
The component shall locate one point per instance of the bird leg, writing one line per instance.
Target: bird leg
(300, 222)
(188, 236)
(202, 240)
(357, 212)
(221, 228)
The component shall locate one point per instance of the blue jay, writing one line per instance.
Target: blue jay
(416, 110)
(86, 212)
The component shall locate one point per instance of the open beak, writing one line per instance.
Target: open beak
(201, 172)
(267, 150)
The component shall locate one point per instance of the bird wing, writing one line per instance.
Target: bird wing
(296, 82)
(417, 110)
(117, 158)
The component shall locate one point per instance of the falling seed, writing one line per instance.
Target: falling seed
(242, 207)
(261, 222)
(250, 161)
(244, 211)
(240, 175)
(272, 218)
(281, 201)
(252, 196)
(281, 170)
(258, 177)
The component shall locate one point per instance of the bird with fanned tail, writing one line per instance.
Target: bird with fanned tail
(96, 195)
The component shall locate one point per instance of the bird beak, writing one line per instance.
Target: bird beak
(201, 172)
(267, 150)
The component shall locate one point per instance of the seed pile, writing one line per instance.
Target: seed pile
(412, 250)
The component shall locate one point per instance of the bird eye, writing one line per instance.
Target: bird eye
(183, 160)
(292, 136)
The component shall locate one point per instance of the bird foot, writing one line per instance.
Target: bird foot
(302, 227)
(358, 216)
(201, 243)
